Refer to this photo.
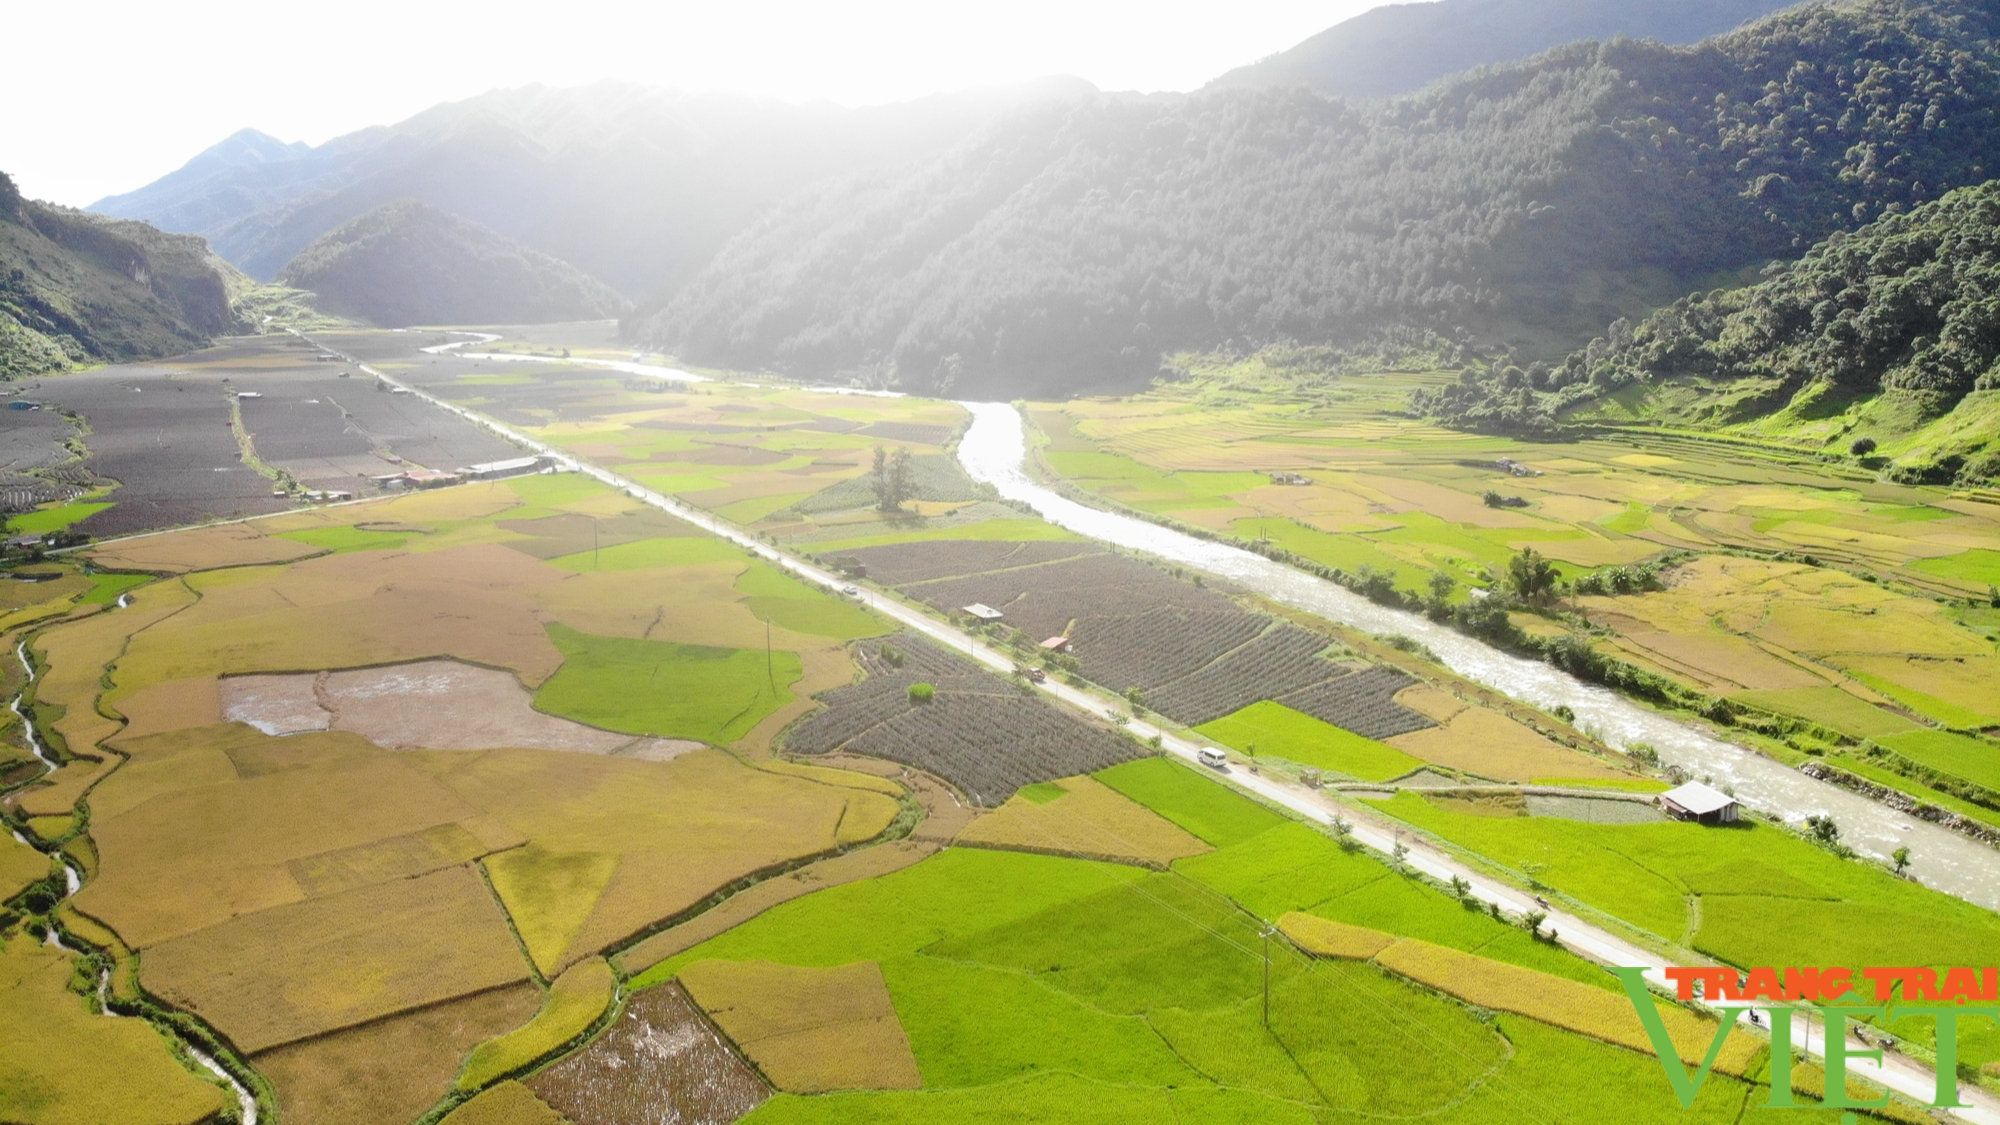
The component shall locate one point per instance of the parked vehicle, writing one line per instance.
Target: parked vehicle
(1212, 758)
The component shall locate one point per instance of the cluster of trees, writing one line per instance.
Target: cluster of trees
(410, 263)
(1908, 305)
(1074, 242)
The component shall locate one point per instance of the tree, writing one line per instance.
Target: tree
(890, 479)
(1136, 698)
(1862, 447)
(1532, 921)
(922, 693)
(1823, 829)
(1531, 577)
(1901, 856)
(1442, 585)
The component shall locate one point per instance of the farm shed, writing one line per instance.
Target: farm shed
(512, 467)
(1289, 478)
(1697, 802)
(1056, 644)
(983, 612)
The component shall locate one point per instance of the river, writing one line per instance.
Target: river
(994, 450)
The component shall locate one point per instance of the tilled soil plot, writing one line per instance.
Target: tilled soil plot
(660, 1063)
(980, 732)
(900, 563)
(553, 394)
(168, 442)
(1194, 654)
(1363, 703)
(32, 440)
(429, 704)
(1282, 660)
(1042, 600)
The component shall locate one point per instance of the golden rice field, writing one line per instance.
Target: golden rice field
(808, 1030)
(1082, 816)
(358, 917)
(61, 1064)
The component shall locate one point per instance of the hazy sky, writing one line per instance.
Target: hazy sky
(108, 96)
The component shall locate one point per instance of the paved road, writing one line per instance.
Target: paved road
(1905, 1076)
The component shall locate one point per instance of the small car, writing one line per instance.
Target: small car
(1038, 675)
(851, 591)
(1212, 758)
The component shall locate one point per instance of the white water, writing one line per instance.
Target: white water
(35, 746)
(649, 370)
(993, 451)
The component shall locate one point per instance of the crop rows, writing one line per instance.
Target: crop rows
(1282, 660)
(1151, 649)
(1363, 703)
(979, 732)
(1042, 600)
(196, 473)
(902, 563)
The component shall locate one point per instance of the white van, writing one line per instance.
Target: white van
(1211, 757)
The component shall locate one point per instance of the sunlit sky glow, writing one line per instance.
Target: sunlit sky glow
(105, 97)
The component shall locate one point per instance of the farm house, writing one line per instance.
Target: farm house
(983, 612)
(1056, 644)
(1697, 802)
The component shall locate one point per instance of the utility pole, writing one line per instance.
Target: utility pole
(595, 562)
(769, 672)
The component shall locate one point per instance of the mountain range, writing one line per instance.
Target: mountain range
(409, 263)
(634, 185)
(79, 288)
(1398, 48)
(1525, 207)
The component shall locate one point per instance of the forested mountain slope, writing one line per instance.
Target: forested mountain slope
(1397, 48)
(77, 288)
(410, 263)
(1072, 244)
(1882, 343)
(634, 185)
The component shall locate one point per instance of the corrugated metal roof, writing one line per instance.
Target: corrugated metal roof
(1698, 799)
